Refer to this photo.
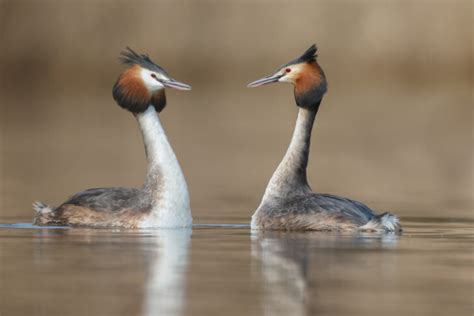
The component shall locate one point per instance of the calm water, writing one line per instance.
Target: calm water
(394, 131)
(229, 270)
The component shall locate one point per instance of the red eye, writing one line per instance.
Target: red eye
(153, 76)
(287, 70)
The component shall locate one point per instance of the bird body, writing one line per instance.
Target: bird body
(288, 202)
(163, 201)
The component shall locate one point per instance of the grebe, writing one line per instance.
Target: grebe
(288, 202)
(163, 201)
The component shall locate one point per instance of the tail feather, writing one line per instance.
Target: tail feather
(387, 222)
(44, 213)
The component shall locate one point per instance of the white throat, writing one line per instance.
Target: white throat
(165, 181)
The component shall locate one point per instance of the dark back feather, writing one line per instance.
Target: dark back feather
(110, 199)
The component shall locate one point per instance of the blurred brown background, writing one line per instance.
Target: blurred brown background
(394, 131)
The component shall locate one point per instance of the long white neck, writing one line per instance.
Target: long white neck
(290, 177)
(164, 183)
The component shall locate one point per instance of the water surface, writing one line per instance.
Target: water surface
(230, 270)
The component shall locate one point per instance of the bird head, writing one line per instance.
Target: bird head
(305, 74)
(142, 83)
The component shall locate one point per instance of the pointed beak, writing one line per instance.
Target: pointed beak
(265, 80)
(176, 84)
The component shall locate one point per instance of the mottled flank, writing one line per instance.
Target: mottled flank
(319, 212)
(104, 207)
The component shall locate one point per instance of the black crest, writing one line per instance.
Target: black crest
(130, 58)
(308, 56)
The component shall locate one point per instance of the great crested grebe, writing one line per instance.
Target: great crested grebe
(288, 202)
(163, 201)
